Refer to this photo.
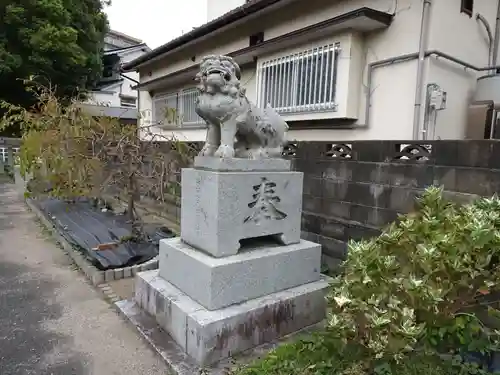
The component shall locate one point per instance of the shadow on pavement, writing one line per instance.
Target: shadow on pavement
(25, 303)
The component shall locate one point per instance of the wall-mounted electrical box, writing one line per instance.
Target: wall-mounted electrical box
(437, 99)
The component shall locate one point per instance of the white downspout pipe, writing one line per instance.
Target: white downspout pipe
(424, 28)
(496, 40)
(487, 27)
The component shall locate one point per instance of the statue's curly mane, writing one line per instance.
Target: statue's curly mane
(223, 105)
(226, 61)
(232, 87)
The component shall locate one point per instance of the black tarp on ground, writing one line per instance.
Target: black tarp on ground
(85, 227)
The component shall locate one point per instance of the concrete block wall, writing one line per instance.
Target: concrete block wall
(353, 189)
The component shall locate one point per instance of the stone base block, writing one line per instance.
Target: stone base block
(219, 209)
(259, 270)
(177, 361)
(210, 336)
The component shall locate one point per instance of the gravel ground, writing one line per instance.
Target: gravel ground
(52, 322)
(123, 288)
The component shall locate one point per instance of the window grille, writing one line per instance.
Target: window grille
(128, 102)
(188, 104)
(177, 108)
(4, 153)
(302, 82)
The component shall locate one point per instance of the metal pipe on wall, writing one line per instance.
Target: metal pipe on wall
(487, 27)
(410, 57)
(369, 78)
(424, 28)
(496, 40)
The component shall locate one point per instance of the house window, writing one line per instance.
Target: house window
(177, 108)
(111, 67)
(107, 72)
(128, 101)
(302, 82)
(257, 38)
(4, 153)
(165, 109)
(187, 105)
(467, 7)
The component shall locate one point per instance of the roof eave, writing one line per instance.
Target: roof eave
(376, 20)
(127, 49)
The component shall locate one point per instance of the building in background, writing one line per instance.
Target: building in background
(114, 40)
(7, 143)
(4, 154)
(114, 95)
(337, 69)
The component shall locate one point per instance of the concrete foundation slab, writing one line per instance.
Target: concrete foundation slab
(240, 164)
(219, 209)
(210, 336)
(259, 270)
(175, 357)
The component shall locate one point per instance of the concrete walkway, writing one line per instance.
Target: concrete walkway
(52, 322)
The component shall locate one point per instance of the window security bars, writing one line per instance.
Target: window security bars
(302, 82)
(177, 109)
(4, 153)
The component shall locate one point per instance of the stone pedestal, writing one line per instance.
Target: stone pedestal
(261, 269)
(219, 209)
(209, 336)
(239, 276)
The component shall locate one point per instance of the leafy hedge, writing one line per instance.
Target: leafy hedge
(322, 354)
(406, 301)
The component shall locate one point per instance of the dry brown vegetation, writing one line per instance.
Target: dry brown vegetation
(71, 154)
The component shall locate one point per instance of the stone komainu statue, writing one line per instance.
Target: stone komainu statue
(236, 127)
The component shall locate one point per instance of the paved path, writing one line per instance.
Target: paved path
(52, 322)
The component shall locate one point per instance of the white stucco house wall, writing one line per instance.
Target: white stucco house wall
(115, 94)
(334, 69)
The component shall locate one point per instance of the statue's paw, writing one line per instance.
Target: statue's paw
(208, 150)
(257, 153)
(241, 152)
(225, 151)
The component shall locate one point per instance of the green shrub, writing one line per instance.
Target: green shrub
(322, 354)
(411, 286)
(402, 302)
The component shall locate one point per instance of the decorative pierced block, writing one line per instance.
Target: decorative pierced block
(221, 208)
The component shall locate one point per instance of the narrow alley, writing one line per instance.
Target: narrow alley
(52, 322)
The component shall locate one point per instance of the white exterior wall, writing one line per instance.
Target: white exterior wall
(463, 37)
(393, 89)
(106, 98)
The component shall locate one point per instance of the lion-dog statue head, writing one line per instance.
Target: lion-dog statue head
(219, 75)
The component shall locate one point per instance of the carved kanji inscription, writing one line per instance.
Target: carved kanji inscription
(264, 203)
